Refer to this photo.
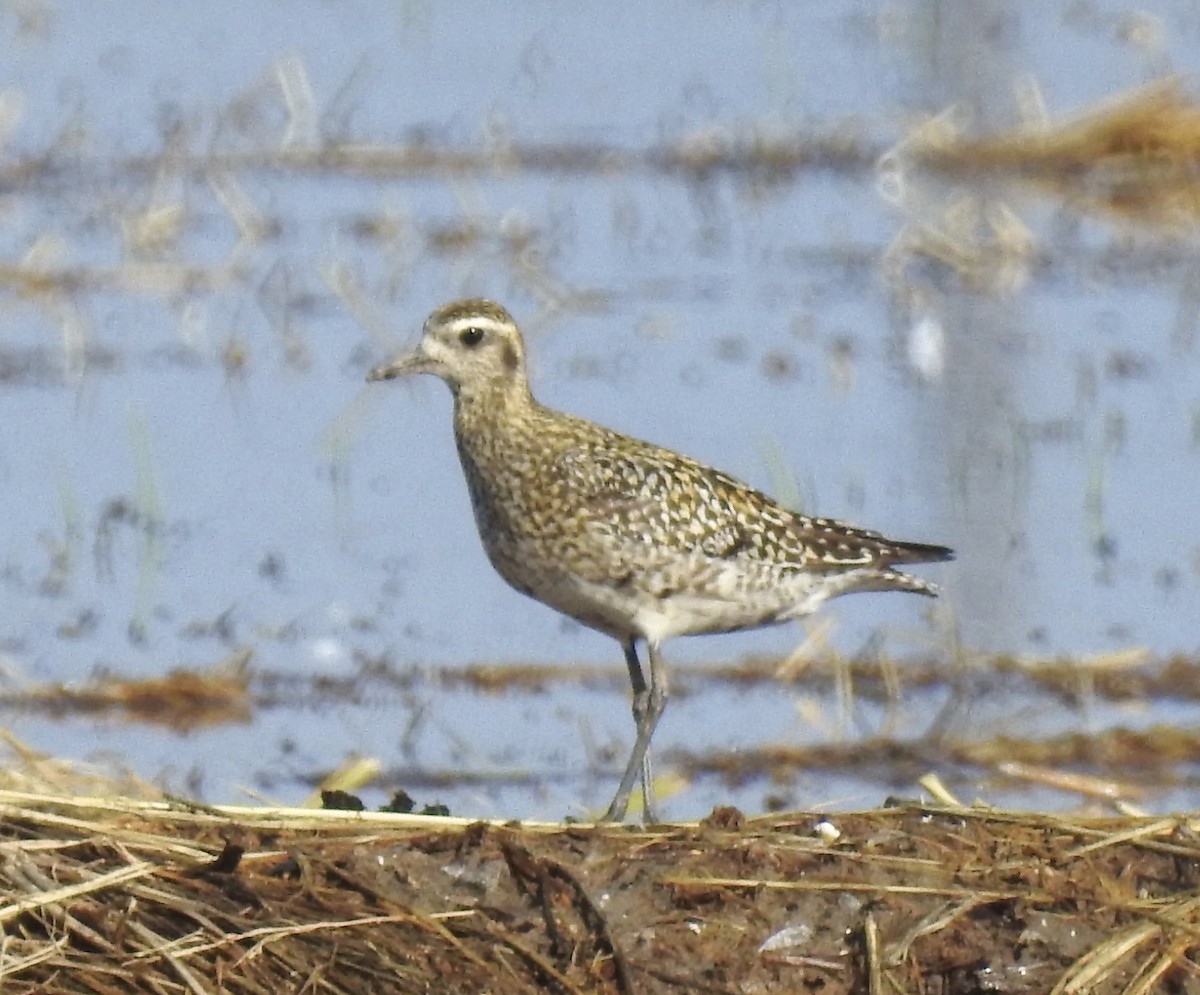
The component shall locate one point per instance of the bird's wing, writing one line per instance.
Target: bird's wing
(653, 497)
(640, 494)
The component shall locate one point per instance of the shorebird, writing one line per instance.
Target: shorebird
(628, 538)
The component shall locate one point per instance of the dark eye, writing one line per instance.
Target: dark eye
(470, 337)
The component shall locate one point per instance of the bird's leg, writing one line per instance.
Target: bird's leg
(656, 703)
(648, 705)
(641, 696)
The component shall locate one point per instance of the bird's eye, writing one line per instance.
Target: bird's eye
(471, 337)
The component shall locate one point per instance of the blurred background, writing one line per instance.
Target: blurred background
(927, 267)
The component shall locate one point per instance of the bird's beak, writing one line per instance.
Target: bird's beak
(415, 362)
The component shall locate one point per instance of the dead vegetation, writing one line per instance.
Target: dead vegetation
(1135, 156)
(1132, 161)
(104, 894)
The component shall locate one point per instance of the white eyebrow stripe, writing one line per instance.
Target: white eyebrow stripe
(482, 321)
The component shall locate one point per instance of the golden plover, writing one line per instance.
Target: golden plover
(627, 538)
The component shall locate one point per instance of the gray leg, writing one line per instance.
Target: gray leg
(634, 768)
(648, 705)
(655, 705)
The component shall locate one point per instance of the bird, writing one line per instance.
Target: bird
(628, 538)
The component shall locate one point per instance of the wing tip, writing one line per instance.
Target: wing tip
(921, 552)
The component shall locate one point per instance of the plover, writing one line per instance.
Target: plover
(626, 537)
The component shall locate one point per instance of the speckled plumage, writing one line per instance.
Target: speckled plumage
(628, 538)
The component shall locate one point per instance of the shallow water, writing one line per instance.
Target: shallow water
(203, 260)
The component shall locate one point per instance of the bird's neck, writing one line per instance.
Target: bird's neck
(489, 407)
(495, 432)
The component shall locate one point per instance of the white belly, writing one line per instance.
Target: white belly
(705, 596)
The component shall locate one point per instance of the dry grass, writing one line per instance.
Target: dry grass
(1132, 160)
(1135, 156)
(106, 894)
